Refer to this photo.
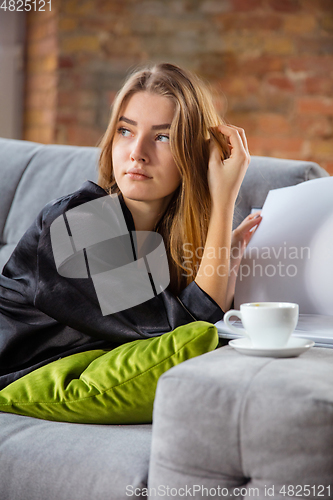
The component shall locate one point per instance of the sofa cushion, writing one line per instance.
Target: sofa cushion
(42, 460)
(115, 387)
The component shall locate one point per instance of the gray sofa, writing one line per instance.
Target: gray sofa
(222, 420)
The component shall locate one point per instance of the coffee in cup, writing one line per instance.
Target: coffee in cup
(267, 324)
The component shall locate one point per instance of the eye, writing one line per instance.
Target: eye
(124, 131)
(163, 138)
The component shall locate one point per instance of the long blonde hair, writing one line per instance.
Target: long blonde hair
(186, 218)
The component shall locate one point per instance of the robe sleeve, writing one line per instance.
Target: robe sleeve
(199, 304)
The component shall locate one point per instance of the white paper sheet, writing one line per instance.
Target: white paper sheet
(290, 257)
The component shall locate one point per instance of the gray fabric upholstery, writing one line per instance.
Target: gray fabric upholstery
(229, 420)
(42, 460)
(31, 176)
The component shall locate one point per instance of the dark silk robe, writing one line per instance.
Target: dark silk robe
(44, 316)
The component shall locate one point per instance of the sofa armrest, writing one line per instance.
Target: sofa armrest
(233, 421)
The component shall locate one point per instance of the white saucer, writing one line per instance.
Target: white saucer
(294, 347)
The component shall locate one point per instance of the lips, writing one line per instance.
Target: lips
(138, 174)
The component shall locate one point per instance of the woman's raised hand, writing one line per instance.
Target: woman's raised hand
(225, 177)
(242, 235)
(224, 180)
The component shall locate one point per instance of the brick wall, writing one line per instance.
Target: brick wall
(41, 80)
(269, 62)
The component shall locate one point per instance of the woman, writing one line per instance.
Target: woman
(176, 169)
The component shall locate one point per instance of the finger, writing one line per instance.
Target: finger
(249, 235)
(254, 215)
(235, 140)
(221, 141)
(241, 132)
(253, 219)
(250, 217)
(248, 224)
(214, 153)
(242, 136)
(256, 223)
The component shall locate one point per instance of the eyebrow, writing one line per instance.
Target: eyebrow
(163, 126)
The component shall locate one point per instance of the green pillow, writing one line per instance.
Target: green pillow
(106, 387)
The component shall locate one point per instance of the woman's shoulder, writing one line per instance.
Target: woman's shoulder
(87, 192)
(39, 231)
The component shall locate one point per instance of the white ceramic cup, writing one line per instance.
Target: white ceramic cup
(267, 324)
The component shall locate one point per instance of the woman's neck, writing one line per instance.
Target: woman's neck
(146, 214)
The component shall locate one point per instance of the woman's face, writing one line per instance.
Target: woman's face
(143, 165)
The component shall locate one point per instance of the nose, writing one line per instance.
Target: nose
(139, 152)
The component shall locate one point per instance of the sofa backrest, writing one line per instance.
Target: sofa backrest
(33, 174)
